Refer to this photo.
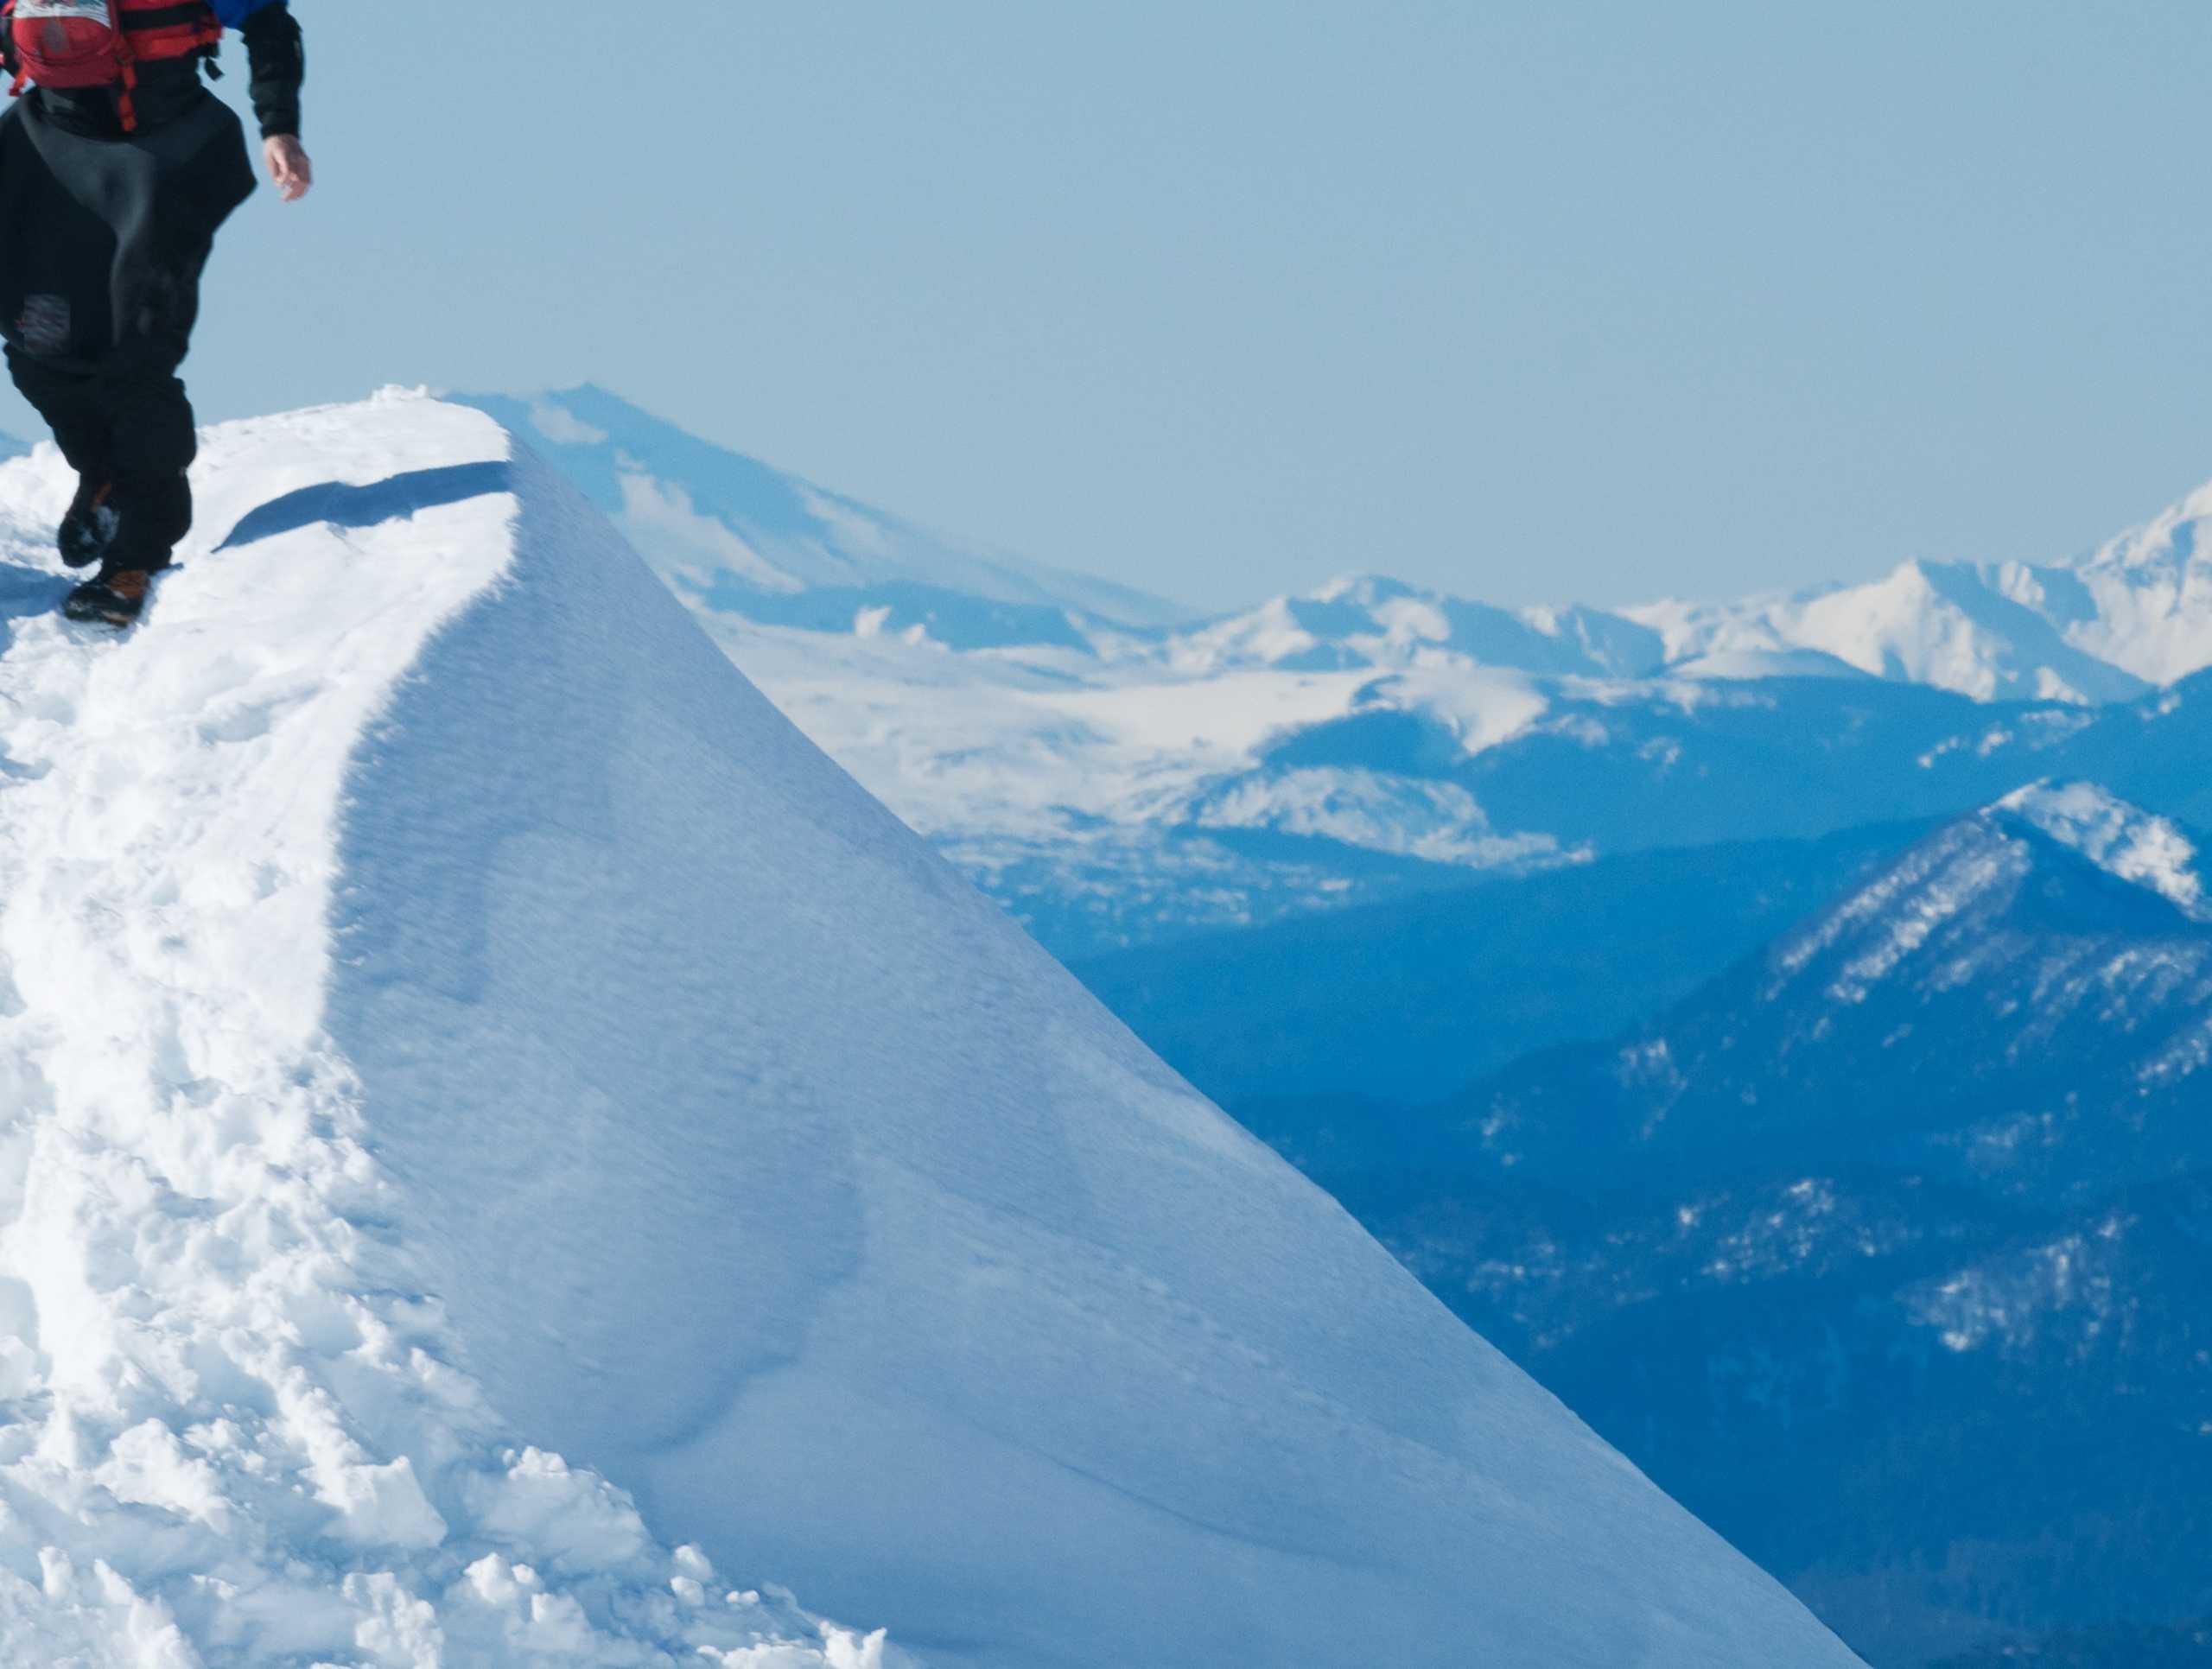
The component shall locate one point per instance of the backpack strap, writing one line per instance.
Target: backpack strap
(126, 93)
(168, 17)
(22, 78)
(195, 20)
(188, 29)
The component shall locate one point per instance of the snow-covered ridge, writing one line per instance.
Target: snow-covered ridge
(452, 1020)
(2142, 601)
(1953, 1125)
(237, 1430)
(1942, 625)
(2134, 614)
(735, 536)
(2105, 630)
(1974, 867)
(2119, 838)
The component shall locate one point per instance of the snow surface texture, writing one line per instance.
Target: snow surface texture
(450, 1012)
(232, 1432)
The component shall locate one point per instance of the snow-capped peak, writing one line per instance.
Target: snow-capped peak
(2120, 839)
(2172, 531)
(2141, 601)
(1367, 590)
(737, 537)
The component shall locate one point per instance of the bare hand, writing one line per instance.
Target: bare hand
(288, 166)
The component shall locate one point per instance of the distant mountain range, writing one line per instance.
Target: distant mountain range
(1411, 1001)
(1883, 1249)
(739, 536)
(1120, 771)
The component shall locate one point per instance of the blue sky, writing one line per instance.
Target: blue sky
(1558, 302)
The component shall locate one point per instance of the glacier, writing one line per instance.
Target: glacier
(510, 1154)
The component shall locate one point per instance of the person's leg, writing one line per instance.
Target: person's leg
(153, 440)
(75, 408)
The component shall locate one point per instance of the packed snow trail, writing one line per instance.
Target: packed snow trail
(232, 1435)
(456, 1020)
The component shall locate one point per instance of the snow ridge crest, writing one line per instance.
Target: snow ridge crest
(233, 1429)
(2124, 841)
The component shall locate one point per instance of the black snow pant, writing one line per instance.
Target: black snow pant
(129, 429)
(103, 240)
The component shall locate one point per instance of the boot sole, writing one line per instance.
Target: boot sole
(98, 616)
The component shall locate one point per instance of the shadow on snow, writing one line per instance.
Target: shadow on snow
(344, 505)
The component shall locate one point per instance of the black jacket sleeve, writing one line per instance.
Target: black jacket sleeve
(278, 58)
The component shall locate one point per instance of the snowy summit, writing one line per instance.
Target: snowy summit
(2116, 836)
(513, 1154)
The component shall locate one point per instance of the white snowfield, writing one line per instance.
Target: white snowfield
(509, 1151)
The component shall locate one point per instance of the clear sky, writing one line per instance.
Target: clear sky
(1561, 300)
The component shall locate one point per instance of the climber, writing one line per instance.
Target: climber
(116, 172)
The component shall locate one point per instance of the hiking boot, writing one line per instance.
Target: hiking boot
(117, 598)
(89, 528)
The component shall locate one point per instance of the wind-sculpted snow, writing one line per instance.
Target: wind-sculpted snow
(489, 1103)
(236, 1427)
(870, 1251)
